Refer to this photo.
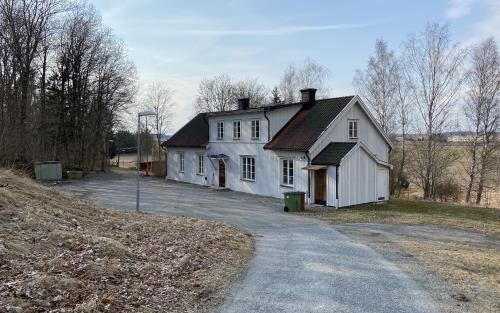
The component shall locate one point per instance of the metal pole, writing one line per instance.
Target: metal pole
(138, 161)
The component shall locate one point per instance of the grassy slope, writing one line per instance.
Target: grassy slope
(485, 220)
(60, 254)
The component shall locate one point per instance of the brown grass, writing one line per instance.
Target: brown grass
(472, 269)
(411, 212)
(61, 254)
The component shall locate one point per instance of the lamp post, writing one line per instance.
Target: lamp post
(139, 115)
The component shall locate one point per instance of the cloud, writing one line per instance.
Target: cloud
(459, 8)
(278, 31)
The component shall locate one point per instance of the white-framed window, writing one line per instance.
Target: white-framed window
(201, 165)
(287, 172)
(255, 129)
(248, 168)
(181, 162)
(236, 130)
(353, 129)
(220, 130)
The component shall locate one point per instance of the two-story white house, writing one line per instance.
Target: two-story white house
(331, 149)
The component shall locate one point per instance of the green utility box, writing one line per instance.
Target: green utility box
(294, 201)
(46, 171)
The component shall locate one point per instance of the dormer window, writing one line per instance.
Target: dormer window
(220, 130)
(353, 129)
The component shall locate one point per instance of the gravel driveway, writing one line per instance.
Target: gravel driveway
(300, 265)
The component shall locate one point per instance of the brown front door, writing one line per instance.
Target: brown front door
(320, 186)
(222, 173)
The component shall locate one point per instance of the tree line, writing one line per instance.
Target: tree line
(417, 90)
(64, 81)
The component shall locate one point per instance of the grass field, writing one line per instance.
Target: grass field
(459, 244)
(484, 220)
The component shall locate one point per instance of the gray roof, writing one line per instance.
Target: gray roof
(333, 153)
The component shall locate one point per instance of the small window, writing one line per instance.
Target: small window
(236, 130)
(201, 165)
(353, 129)
(248, 168)
(181, 162)
(220, 130)
(255, 129)
(287, 172)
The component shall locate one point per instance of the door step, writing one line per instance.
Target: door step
(217, 188)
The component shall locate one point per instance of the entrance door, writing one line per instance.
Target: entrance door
(222, 173)
(320, 186)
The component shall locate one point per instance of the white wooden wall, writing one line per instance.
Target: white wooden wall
(359, 178)
(367, 133)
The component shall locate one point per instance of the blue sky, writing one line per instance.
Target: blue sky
(181, 42)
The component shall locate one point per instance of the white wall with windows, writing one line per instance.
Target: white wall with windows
(183, 164)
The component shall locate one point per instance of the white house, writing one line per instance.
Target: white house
(331, 149)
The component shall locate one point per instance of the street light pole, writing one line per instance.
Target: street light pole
(138, 164)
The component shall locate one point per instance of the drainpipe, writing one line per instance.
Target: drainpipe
(268, 126)
(308, 177)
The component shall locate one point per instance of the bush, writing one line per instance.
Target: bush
(448, 190)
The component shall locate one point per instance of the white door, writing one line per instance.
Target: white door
(382, 184)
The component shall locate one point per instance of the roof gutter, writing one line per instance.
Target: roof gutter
(268, 126)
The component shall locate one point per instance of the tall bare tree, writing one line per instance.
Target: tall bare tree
(251, 88)
(64, 81)
(310, 75)
(222, 92)
(433, 72)
(482, 112)
(215, 94)
(378, 85)
(158, 98)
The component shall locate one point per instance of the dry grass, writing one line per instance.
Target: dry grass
(60, 254)
(484, 220)
(473, 269)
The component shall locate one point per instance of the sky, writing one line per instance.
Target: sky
(182, 42)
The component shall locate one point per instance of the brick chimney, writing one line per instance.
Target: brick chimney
(308, 95)
(243, 104)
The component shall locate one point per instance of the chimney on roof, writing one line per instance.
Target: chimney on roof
(243, 103)
(308, 95)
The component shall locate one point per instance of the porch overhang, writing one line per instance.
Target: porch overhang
(312, 167)
(219, 156)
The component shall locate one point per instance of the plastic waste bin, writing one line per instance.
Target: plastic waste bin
(294, 201)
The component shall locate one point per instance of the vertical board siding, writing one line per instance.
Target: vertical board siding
(358, 182)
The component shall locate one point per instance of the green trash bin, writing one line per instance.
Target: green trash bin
(294, 201)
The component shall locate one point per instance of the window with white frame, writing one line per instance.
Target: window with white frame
(287, 172)
(181, 162)
(353, 129)
(220, 130)
(201, 165)
(255, 129)
(248, 168)
(236, 130)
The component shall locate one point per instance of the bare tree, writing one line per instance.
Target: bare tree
(64, 81)
(378, 85)
(222, 92)
(310, 75)
(482, 112)
(158, 98)
(432, 69)
(251, 88)
(216, 94)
